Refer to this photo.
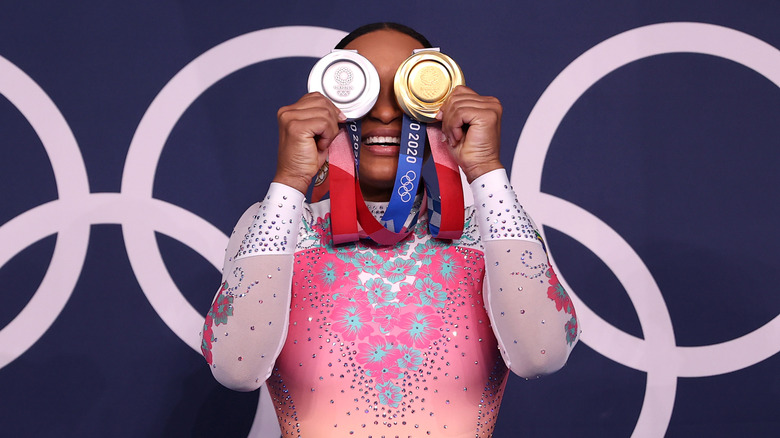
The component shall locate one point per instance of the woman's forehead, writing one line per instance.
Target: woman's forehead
(385, 47)
(384, 39)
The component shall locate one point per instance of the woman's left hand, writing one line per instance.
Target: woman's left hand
(472, 125)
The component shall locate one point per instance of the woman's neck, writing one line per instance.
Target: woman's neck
(375, 194)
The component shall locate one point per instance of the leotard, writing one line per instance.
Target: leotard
(410, 340)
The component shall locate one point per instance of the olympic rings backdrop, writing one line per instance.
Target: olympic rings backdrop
(643, 138)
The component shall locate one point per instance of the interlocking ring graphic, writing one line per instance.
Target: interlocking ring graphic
(407, 184)
(76, 208)
(657, 354)
(24, 230)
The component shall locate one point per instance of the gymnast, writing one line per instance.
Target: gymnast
(409, 339)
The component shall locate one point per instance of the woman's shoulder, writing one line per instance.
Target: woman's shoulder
(315, 225)
(470, 237)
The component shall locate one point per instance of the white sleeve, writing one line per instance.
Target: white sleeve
(530, 312)
(247, 325)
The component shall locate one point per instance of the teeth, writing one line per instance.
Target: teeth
(383, 140)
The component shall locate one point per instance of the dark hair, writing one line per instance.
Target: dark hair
(368, 28)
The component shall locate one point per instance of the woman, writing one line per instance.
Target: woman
(402, 340)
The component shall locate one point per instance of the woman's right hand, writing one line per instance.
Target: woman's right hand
(306, 129)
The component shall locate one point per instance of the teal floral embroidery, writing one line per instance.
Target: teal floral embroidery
(222, 308)
(352, 320)
(368, 262)
(557, 293)
(387, 316)
(571, 330)
(389, 394)
(328, 274)
(420, 229)
(431, 293)
(445, 268)
(346, 252)
(424, 251)
(420, 327)
(411, 358)
(374, 353)
(398, 269)
(409, 294)
(379, 292)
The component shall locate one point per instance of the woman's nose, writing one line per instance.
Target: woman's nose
(386, 109)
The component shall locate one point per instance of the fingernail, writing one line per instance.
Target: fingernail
(342, 116)
(438, 115)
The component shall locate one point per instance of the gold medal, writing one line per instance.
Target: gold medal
(424, 81)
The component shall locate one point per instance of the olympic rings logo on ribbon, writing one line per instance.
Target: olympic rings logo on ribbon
(140, 215)
(405, 191)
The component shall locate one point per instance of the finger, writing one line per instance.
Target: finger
(472, 100)
(304, 126)
(324, 140)
(318, 99)
(462, 90)
(467, 110)
(458, 117)
(309, 122)
(314, 100)
(463, 107)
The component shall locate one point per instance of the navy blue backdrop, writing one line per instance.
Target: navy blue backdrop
(642, 136)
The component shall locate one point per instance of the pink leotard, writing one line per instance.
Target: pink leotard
(387, 341)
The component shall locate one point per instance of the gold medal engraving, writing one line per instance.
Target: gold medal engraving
(429, 82)
(424, 82)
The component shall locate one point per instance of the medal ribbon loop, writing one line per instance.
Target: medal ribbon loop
(351, 218)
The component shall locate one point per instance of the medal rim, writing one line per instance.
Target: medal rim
(411, 105)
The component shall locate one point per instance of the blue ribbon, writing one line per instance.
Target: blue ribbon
(407, 177)
(398, 217)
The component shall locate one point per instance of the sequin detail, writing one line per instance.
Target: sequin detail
(501, 216)
(381, 337)
(275, 222)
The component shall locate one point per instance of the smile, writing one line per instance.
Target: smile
(382, 141)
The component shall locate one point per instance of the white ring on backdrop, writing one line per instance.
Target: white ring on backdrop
(140, 215)
(144, 153)
(657, 354)
(24, 230)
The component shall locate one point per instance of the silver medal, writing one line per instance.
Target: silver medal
(348, 79)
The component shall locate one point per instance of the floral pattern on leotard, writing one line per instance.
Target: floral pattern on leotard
(388, 300)
(218, 314)
(558, 294)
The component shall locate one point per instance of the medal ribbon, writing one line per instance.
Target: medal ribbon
(348, 208)
(341, 173)
(407, 177)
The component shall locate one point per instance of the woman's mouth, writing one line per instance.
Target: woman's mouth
(382, 145)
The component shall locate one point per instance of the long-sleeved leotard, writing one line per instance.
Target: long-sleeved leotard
(387, 341)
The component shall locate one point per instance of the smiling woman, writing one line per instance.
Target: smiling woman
(381, 142)
(386, 340)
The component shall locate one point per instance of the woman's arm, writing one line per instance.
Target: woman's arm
(531, 314)
(247, 325)
(246, 328)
